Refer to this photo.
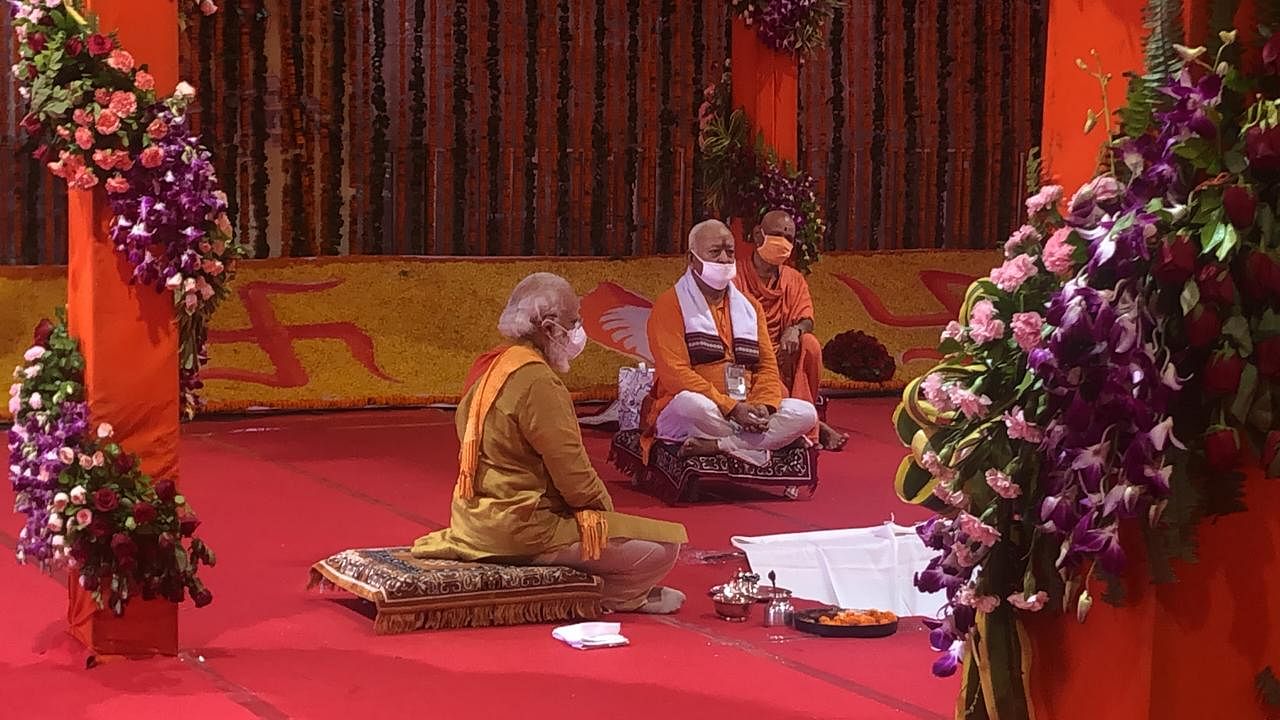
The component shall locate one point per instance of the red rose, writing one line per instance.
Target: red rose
(44, 329)
(31, 124)
(1176, 261)
(187, 526)
(1267, 353)
(1203, 327)
(105, 500)
(1222, 449)
(74, 46)
(1263, 147)
(100, 527)
(37, 42)
(123, 546)
(1216, 285)
(1222, 374)
(166, 490)
(144, 513)
(1241, 206)
(100, 45)
(202, 598)
(1260, 278)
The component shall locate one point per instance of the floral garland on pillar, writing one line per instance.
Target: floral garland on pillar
(793, 26)
(99, 122)
(1120, 367)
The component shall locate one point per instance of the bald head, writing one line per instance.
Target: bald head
(776, 222)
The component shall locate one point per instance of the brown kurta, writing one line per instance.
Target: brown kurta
(532, 474)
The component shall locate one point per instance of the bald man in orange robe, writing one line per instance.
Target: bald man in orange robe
(783, 294)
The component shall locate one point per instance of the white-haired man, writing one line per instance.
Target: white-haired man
(716, 385)
(526, 491)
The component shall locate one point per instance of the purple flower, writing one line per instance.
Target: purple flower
(949, 661)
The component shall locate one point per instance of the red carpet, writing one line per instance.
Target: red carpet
(279, 493)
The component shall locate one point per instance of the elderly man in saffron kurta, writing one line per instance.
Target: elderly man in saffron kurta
(526, 491)
(716, 386)
(783, 293)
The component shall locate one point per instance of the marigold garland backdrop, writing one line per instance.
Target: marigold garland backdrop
(319, 334)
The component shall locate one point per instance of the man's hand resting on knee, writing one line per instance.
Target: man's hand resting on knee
(752, 418)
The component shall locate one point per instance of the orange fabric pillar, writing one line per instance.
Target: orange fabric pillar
(129, 337)
(764, 84)
(1076, 27)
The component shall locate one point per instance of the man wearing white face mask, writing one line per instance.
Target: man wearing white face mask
(526, 491)
(716, 383)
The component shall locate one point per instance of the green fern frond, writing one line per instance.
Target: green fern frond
(1163, 22)
(1034, 173)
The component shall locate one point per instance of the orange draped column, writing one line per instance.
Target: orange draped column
(765, 85)
(129, 338)
(1189, 650)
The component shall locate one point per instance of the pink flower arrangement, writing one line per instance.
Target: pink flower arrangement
(978, 531)
(1003, 485)
(1015, 271)
(108, 123)
(121, 60)
(1020, 240)
(1046, 198)
(1058, 253)
(984, 323)
(973, 406)
(1019, 428)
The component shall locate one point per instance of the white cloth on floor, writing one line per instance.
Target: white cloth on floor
(691, 414)
(591, 635)
(860, 568)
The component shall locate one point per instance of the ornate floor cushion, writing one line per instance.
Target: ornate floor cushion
(675, 479)
(412, 594)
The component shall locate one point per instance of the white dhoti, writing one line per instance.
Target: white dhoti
(693, 415)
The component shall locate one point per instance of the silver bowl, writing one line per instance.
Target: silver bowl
(733, 609)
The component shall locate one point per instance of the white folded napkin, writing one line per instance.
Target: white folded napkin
(591, 635)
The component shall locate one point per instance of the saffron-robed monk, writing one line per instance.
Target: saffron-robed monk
(716, 383)
(783, 293)
(526, 490)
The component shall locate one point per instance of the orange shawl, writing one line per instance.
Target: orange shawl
(488, 375)
(784, 304)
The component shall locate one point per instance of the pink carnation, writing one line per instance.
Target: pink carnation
(1014, 272)
(968, 597)
(158, 129)
(102, 96)
(121, 60)
(973, 406)
(84, 138)
(1003, 485)
(1058, 253)
(963, 556)
(117, 184)
(144, 81)
(934, 392)
(152, 157)
(1022, 237)
(953, 498)
(108, 122)
(977, 530)
(82, 117)
(1035, 603)
(1048, 197)
(984, 326)
(953, 331)
(1028, 329)
(83, 179)
(1019, 429)
(123, 103)
(208, 7)
(931, 462)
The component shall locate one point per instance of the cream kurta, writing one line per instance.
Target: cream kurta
(532, 474)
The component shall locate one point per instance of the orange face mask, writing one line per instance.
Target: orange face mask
(775, 249)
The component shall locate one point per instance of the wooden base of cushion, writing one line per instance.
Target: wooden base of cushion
(675, 480)
(412, 594)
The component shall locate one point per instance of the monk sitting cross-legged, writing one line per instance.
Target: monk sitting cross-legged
(526, 491)
(783, 293)
(716, 384)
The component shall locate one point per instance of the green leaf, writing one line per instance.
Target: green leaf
(1230, 240)
(1237, 328)
(1234, 161)
(1190, 297)
(1244, 396)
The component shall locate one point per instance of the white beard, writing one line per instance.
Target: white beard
(557, 359)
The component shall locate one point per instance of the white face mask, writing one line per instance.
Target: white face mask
(574, 341)
(718, 275)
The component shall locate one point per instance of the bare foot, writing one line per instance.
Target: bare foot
(830, 438)
(696, 447)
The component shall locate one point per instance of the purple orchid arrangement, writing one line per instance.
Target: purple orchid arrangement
(796, 193)
(791, 26)
(108, 130)
(89, 507)
(1116, 373)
